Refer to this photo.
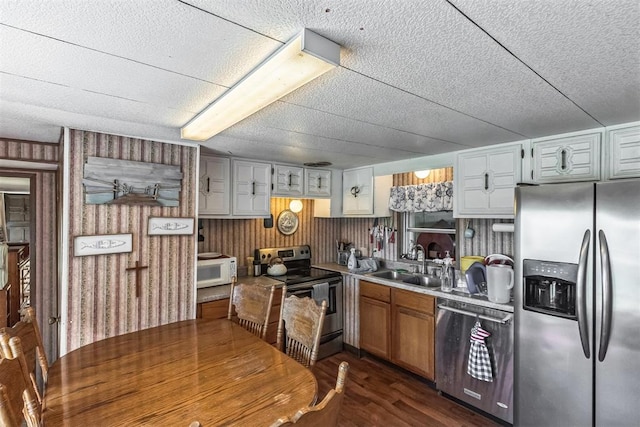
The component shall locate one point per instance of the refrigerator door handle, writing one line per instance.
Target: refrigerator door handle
(607, 300)
(581, 299)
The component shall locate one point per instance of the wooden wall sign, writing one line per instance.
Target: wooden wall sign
(125, 182)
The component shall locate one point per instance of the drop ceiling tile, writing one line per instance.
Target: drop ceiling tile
(166, 34)
(590, 51)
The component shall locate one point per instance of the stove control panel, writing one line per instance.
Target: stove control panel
(292, 253)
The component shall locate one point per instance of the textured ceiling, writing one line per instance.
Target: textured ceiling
(416, 78)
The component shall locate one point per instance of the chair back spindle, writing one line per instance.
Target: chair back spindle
(300, 328)
(33, 348)
(18, 403)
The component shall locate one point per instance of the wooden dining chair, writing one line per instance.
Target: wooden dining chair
(300, 327)
(252, 306)
(33, 348)
(325, 413)
(18, 404)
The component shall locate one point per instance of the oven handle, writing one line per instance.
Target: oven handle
(504, 321)
(299, 291)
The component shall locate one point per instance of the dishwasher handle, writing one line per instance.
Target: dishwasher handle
(504, 321)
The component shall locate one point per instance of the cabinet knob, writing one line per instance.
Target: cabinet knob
(355, 190)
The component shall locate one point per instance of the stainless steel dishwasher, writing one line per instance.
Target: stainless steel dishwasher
(453, 331)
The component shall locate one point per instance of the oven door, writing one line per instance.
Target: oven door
(333, 315)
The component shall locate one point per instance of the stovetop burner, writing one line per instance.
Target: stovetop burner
(297, 259)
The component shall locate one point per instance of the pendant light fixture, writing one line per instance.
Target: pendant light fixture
(302, 59)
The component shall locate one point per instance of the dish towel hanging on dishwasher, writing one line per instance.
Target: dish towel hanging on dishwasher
(320, 292)
(479, 365)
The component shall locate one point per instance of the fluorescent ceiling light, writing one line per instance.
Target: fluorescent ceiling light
(302, 59)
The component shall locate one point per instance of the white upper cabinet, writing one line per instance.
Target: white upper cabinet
(485, 181)
(364, 195)
(251, 188)
(357, 191)
(564, 158)
(317, 182)
(289, 181)
(214, 187)
(622, 152)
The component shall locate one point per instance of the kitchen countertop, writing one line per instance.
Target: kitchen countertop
(455, 295)
(215, 293)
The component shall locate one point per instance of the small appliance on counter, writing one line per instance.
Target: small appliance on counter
(215, 269)
(343, 256)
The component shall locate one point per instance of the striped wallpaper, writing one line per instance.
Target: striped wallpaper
(102, 301)
(240, 237)
(43, 250)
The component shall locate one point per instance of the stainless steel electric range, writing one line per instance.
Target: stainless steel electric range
(300, 280)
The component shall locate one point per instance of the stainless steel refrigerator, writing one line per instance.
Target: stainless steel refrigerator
(577, 304)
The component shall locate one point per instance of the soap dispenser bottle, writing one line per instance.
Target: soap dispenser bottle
(352, 262)
(447, 273)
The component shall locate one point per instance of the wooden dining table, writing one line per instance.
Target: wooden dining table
(210, 371)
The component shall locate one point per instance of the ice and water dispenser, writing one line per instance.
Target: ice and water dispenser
(550, 287)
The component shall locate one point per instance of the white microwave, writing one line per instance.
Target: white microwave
(216, 271)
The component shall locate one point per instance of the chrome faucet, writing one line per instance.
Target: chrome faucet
(415, 248)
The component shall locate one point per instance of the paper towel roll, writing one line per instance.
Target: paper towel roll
(503, 227)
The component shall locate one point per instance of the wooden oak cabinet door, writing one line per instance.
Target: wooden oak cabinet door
(375, 317)
(213, 309)
(413, 341)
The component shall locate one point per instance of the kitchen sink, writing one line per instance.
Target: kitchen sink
(391, 275)
(414, 279)
(422, 280)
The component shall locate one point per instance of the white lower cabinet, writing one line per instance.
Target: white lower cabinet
(251, 188)
(485, 181)
(573, 157)
(622, 158)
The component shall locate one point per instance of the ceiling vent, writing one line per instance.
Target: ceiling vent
(318, 164)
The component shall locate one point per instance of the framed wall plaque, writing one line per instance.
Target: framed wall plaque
(102, 244)
(167, 226)
(287, 222)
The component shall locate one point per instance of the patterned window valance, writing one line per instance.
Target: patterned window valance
(431, 197)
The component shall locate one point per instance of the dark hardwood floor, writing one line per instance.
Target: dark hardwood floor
(380, 395)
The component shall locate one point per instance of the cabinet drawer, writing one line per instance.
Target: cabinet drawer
(415, 301)
(375, 291)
